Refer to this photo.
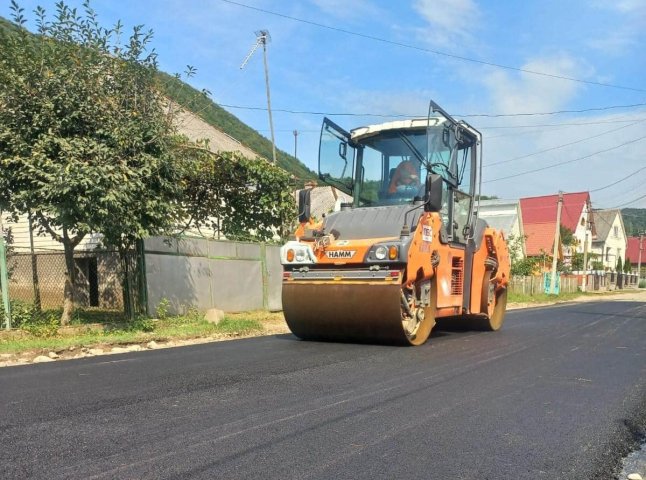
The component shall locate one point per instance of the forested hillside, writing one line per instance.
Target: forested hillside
(634, 220)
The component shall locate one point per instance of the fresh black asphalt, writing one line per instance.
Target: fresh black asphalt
(558, 393)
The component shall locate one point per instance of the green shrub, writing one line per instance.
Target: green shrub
(29, 319)
(642, 284)
(141, 324)
(162, 308)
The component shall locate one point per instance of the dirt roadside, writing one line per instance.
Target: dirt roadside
(272, 325)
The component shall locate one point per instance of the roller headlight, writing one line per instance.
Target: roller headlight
(297, 253)
(381, 252)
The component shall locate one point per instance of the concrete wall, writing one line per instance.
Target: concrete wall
(201, 273)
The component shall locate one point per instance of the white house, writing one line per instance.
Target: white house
(610, 242)
(504, 215)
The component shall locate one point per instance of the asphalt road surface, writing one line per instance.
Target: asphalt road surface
(558, 393)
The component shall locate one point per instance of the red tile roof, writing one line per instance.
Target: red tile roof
(632, 250)
(540, 238)
(543, 209)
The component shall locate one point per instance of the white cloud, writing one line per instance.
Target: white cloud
(633, 7)
(526, 92)
(448, 21)
(624, 35)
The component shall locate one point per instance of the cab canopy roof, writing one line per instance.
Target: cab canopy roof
(361, 133)
(412, 124)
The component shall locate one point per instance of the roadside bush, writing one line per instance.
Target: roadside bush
(28, 318)
(141, 324)
(642, 284)
(162, 308)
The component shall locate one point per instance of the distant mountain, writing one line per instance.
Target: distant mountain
(193, 100)
(634, 220)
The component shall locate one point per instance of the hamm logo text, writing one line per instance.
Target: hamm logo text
(336, 254)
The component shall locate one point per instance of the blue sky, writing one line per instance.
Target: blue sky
(318, 69)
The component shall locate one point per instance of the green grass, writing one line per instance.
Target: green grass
(542, 297)
(173, 328)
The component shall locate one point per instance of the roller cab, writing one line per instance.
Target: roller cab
(408, 252)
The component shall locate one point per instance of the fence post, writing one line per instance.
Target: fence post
(265, 275)
(142, 280)
(4, 283)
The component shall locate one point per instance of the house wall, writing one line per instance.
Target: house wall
(614, 246)
(580, 231)
(44, 242)
(498, 213)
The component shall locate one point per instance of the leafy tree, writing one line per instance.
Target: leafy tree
(567, 237)
(597, 265)
(244, 199)
(85, 144)
(519, 265)
(525, 267)
(577, 261)
(620, 266)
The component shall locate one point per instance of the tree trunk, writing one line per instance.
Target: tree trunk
(70, 281)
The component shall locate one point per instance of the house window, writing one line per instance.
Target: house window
(607, 254)
(616, 230)
(582, 222)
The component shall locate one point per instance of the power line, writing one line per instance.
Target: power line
(493, 127)
(557, 112)
(632, 201)
(553, 165)
(560, 146)
(428, 50)
(403, 115)
(600, 122)
(619, 181)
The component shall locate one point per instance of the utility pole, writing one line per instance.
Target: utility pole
(639, 261)
(557, 238)
(584, 282)
(262, 37)
(4, 278)
(295, 143)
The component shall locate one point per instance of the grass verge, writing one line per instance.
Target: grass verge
(137, 332)
(563, 297)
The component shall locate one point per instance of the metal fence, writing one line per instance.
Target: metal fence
(39, 279)
(597, 281)
(205, 273)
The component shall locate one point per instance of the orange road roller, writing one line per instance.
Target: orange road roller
(409, 251)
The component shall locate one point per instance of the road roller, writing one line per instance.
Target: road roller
(409, 251)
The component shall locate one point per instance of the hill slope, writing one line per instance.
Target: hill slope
(216, 116)
(634, 220)
(193, 100)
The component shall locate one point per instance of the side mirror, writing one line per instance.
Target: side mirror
(433, 193)
(304, 205)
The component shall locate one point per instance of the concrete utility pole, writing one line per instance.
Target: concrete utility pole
(262, 37)
(639, 261)
(295, 143)
(557, 238)
(4, 278)
(584, 281)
